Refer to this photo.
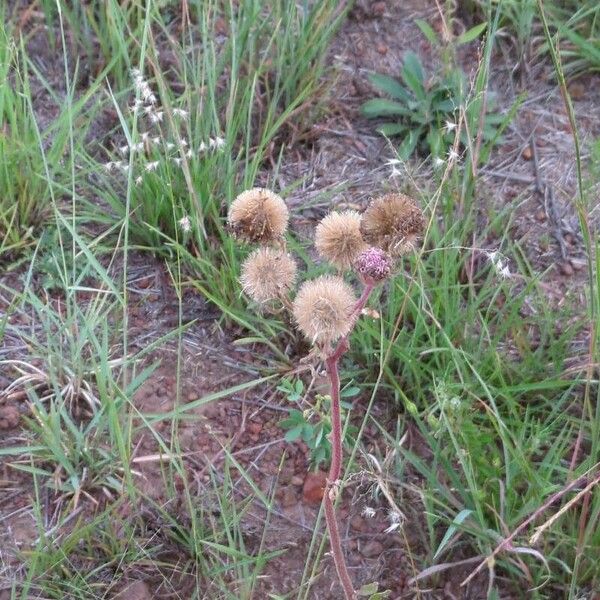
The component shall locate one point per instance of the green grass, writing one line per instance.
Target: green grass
(477, 366)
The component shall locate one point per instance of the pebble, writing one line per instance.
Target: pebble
(297, 480)
(566, 268)
(314, 487)
(378, 9)
(540, 215)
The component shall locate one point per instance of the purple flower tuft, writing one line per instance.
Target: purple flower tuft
(374, 264)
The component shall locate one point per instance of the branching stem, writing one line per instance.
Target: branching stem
(335, 470)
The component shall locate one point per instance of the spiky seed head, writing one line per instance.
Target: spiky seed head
(268, 274)
(258, 215)
(338, 238)
(374, 265)
(323, 309)
(394, 223)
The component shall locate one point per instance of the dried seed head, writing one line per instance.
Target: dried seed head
(338, 238)
(393, 222)
(374, 265)
(258, 215)
(267, 274)
(323, 309)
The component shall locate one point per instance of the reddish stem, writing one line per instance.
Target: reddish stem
(335, 470)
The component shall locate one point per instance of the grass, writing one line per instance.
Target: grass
(483, 369)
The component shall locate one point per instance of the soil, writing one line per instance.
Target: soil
(346, 161)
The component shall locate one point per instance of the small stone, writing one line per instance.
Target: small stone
(9, 417)
(566, 268)
(314, 487)
(378, 9)
(137, 590)
(297, 480)
(254, 428)
(382, 49)
(540, 215)
(576, 90)
(570, 239)
(527, 153)
(578, 265)
(372, 549)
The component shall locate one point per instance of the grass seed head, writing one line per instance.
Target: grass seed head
(394, 223)
(374, 265)
(268, 274)
(258, 216)
(338, 238)
(323, 309)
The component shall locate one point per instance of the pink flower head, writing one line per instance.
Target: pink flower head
(373, 264)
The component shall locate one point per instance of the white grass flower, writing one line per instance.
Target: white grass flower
(157, 117)
(499, 263)
(138, 180)
(152, 166)
(155, 140)
(177, 161)
(185, 224)
(453, 155)
(395, 519)
(148, 109)
(219, 143)
(368, 512)
(179, 112)
(202, 147)
(110, 165)
(169, 146)
(189, 153)
(124, 167)
(145, 136)
(123, 150)
(438, 162)
(138, 147)
(184, 142)
(450, 126)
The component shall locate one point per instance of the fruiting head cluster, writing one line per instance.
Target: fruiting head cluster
(368, 245)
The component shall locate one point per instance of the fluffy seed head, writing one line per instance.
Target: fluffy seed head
(373, 264)
(393, 222)
(338, 238)
(258, 215)
(323, 309)
(267, 274)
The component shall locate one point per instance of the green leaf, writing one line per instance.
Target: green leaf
(458, 520)
(413, 75)
(471, 34)
(390, 86)
(294, 433)
(382, 107)
(390, 129)
(349, 392)
(410, 143)
(427, 31)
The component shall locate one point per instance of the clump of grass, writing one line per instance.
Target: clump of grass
(325, 309)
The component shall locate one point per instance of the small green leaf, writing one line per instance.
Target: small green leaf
(293, 434)
(471, 34)
(382, 107)
(427, 31)
(390, 86)
(407, 147)
(349, 392)
(368, 589)
(458, 520)
(413, 75)
(391, 129)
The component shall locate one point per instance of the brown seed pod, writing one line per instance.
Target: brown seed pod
(394, 223)
(338, 238)
(268, 274)
(323, 309)
(258, 216)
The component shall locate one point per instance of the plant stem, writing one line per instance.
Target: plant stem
(335, 470)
